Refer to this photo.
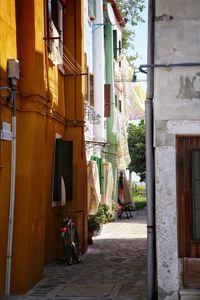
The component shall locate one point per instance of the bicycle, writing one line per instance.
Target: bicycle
(71, 242)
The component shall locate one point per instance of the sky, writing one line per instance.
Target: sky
(140, 43)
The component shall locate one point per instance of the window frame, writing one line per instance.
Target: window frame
(55, 30)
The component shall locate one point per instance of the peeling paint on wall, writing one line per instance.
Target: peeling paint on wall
(189, 87)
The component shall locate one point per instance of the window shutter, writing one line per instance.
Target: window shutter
(107, 97)
(91, 89)
(63, 167)
(120, 105)
(120, 47)
(48, 19)
(115, 44)
(116, 101)
(57, 172)
(86, 86)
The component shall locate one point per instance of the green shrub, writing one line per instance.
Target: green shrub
(94, 224)
(101, 217)
(114, 206)
(138, 189)
(103, 213)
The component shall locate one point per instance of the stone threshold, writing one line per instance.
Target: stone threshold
(189, 294)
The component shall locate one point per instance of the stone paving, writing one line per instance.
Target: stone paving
(113, 268)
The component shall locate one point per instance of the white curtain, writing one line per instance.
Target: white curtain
(108, 182)
(94, 195)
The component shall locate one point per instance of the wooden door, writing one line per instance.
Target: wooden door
(188, 195)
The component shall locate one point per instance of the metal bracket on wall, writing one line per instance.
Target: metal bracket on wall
(109, 154)
(141, 67)
(93, 144)
(79, 74)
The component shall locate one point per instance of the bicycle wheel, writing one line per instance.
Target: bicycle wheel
(68, 251)
(77, 247)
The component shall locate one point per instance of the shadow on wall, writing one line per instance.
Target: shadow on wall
(189, 87)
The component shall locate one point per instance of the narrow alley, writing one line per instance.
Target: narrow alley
(114, 267)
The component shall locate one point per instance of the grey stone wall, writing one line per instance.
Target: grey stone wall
(166, 223)
(176, 111)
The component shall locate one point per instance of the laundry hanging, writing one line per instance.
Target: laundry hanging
(108, 183)
(123, 158)
(94, 195)
(99, 165)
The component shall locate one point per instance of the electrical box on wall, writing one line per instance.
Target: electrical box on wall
(13, 69)
(6, 133)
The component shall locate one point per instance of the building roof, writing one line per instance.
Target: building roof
(117, 12)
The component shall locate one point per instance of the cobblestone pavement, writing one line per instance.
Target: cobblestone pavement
(113, 268)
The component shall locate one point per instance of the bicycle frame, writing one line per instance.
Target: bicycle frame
(71, 242)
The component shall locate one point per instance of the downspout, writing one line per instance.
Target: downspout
(13, 75)
(12, 196)
(150, 173)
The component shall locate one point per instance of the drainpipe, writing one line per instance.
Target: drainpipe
(150, 174)
(13, 75)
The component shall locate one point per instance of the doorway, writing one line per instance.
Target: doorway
(188, 195)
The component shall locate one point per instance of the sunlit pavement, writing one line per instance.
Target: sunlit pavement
(114, 267)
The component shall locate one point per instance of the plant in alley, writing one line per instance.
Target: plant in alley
(136, 143)
(131, 11)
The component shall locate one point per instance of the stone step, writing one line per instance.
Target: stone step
(190, 294)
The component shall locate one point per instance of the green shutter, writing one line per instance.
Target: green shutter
(115, 44)
(99, 165)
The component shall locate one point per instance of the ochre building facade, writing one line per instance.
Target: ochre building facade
(48, 43)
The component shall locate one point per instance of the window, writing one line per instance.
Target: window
(120, 52)
(89, 89)
(116, 101)
(55, 9)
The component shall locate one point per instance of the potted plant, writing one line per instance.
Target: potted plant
(94, 224)
(96, 221)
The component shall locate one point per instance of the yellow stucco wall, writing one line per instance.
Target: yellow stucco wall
(7, 50)
(45, 106)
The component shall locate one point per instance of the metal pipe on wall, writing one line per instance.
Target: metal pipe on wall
(150, 177)
(151, 259)
(12, 196)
